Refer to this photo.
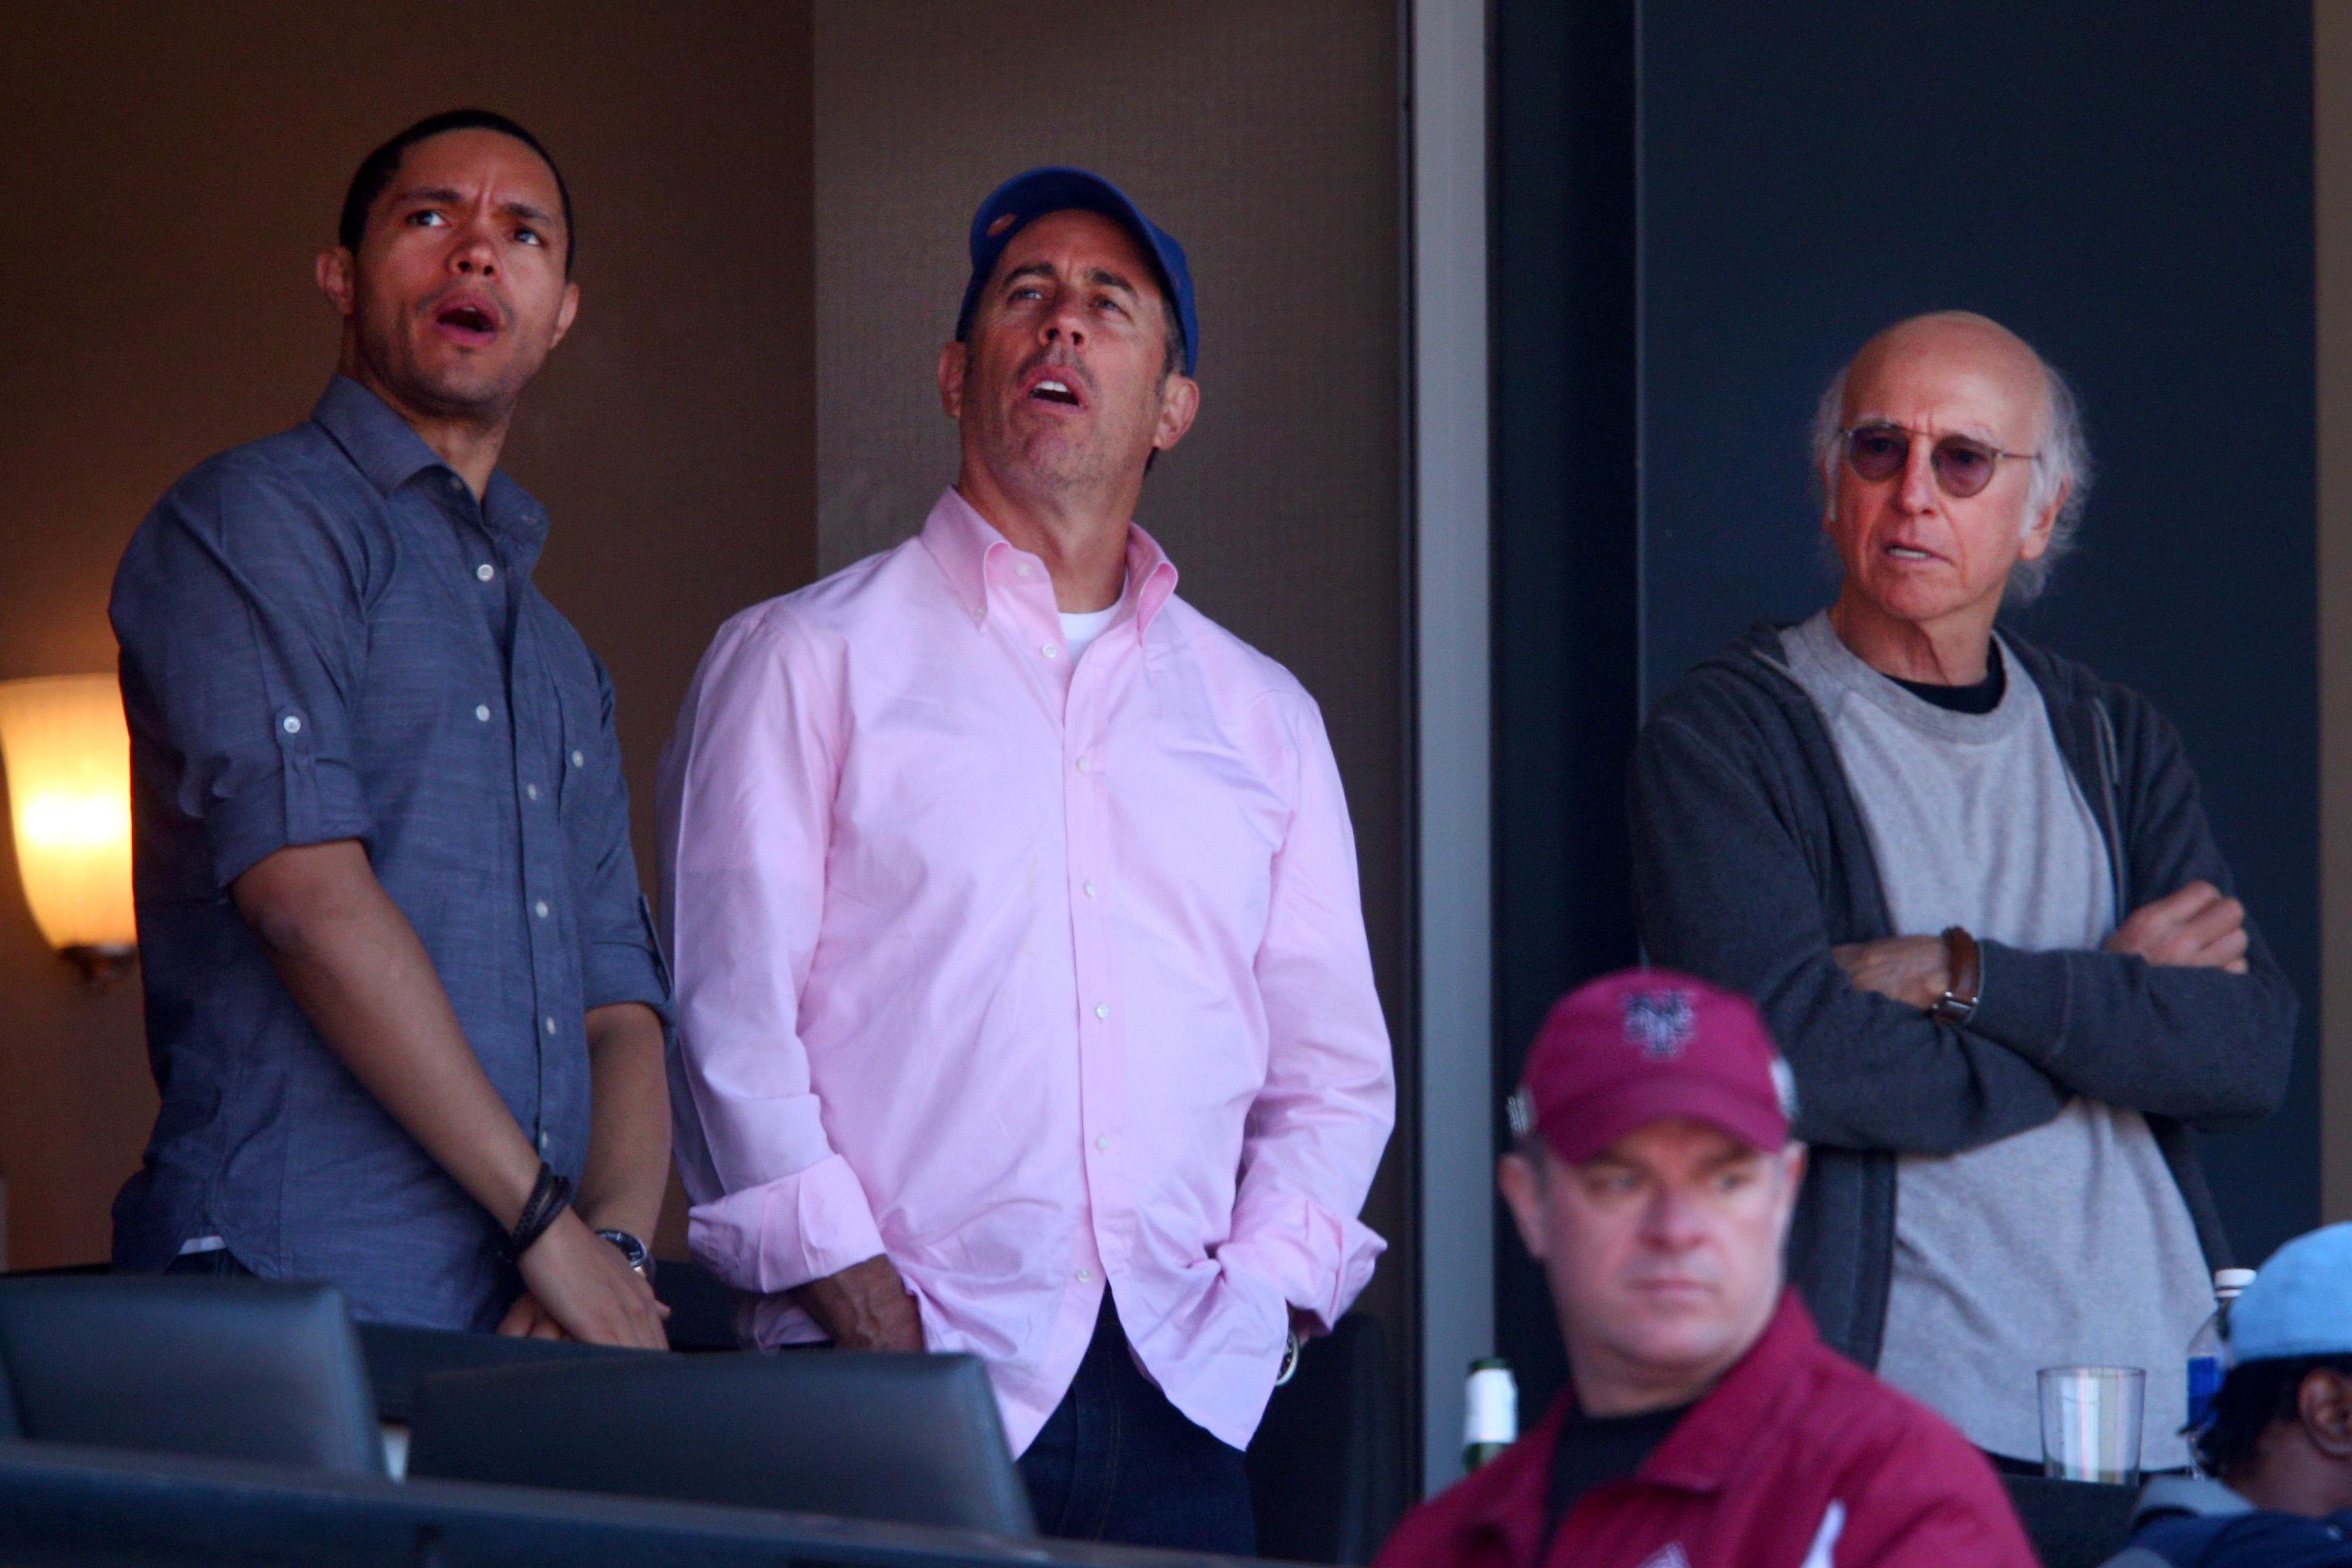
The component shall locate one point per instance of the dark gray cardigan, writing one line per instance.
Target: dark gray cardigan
(1750, 862)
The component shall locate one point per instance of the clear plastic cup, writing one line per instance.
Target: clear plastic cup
(2091, 1418)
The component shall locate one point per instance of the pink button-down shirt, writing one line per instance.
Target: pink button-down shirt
(1032, 976)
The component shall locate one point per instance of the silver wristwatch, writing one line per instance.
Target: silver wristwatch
(633, 1250)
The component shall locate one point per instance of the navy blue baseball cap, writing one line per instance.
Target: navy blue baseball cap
(1023, 198)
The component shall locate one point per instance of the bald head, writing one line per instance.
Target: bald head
(1959, 345)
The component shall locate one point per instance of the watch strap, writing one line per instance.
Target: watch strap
(1964, 971)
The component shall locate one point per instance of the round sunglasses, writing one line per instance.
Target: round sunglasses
(1963, 466)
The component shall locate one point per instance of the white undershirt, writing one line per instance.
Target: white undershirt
(1079, 631)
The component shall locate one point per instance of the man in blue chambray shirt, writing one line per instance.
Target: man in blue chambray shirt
(403, 996)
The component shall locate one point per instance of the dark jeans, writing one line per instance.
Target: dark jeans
(1118, 1462)
(219, 1263)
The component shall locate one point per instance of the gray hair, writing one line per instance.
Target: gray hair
(2064, 462)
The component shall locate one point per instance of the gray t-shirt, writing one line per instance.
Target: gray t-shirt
(2065, 1245)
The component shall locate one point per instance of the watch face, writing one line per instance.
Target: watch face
(631, 1248)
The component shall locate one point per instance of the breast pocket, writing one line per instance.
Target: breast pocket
(428, 672)
(578, 734)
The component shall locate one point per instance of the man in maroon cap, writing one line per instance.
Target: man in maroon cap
(1707, 1425)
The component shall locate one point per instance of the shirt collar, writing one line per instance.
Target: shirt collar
(1511, 1495)
(964, 543)
(383, 447)
(1721, 1429)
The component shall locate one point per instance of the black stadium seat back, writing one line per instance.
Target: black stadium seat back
(914, 1439)
(232, 1368)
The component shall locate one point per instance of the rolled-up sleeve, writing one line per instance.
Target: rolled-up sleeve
(620, 956)
(746, 800)
(239, 610)
(1317, 1127)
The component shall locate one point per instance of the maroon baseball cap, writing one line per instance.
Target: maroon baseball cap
(1643, 1045)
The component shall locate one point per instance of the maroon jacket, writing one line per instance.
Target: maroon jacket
(1798, 1458)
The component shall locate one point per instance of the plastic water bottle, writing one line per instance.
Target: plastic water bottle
(1490, 1414)
(2209, 1352)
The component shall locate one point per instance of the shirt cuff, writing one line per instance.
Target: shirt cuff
(1321, 1261)
(625, 972)
(2023, 1000)
(787, 1232)
(306, 801)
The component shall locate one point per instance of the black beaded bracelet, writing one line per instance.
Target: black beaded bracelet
(549, 1196)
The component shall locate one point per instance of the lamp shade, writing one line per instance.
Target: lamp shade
(68, 755)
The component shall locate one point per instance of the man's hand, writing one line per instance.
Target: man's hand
(577, 1286)
(2194, 928)
(863, 1307)
(1914, 970)
(528, 1319)
(356, 969)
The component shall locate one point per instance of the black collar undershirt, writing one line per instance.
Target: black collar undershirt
(1980, 698)
(1595, 1450)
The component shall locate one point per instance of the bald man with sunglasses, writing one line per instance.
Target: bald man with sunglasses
(1972, 887)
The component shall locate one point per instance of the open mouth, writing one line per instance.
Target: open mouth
(467, 322)
(1906, 552)
(1053, 390)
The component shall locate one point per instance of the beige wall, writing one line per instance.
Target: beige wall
(166, 174)
(1267, 140)
(2332, 62)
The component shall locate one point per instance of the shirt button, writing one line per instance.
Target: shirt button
(486, 572)
(290, 724)
(530, 791)
(1049, 650)
(551, 1025)
(1090, 890)
(1102, 1010)
(539, 909)
(482, 712)
(1025, 569)
(1102, 1141)
(579, 759)
(1085, 1275)
(1082, 765)
(542, 1140)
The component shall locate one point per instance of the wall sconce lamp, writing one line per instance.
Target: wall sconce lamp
(67, 755)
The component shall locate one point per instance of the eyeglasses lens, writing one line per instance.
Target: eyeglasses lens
(1877, 455)
(1963, 467)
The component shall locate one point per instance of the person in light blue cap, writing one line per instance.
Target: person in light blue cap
(2279, 1440)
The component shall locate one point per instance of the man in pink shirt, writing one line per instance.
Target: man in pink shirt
(1024, 1002)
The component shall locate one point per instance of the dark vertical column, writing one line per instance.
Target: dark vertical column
(1566, 548)
(2129, 187)
(1701, 210)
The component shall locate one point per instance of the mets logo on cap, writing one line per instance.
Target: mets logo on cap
(1649, 1045)
(1660, 1022)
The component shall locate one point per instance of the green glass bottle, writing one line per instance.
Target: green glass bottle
(1490, 1411)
